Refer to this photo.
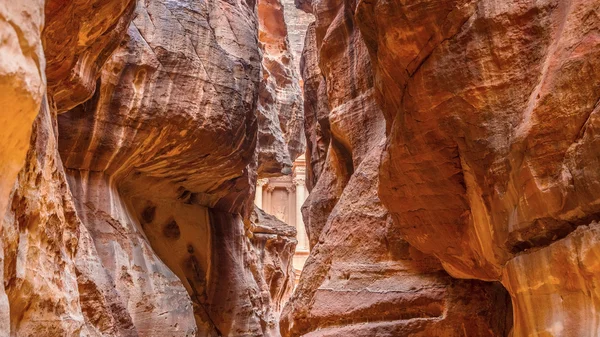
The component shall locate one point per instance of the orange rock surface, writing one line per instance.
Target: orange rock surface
(132, 213)
(362, 277)
(451, 150)
(491, 110)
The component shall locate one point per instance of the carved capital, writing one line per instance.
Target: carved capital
(262, 182)
(270, 189)
(291, 188)
(299, 181)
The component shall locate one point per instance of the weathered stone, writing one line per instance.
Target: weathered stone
(41, 234)
(362, 277)
(491, 110)
(22, 86)
(79, 36)
(40, 241)
(280, 107)
(170, 135)
(274, 243)
(451, 138)
(297, 22)
(146, 230)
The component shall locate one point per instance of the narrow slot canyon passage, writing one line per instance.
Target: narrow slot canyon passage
(300, 168)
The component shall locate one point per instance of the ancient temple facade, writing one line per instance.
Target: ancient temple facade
(283, 197)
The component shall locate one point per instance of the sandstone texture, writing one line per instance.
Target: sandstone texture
(132, 214)
(452, 150)
(22, 85)
(491, 156)
(297, 22)
(362, 277)
(79, 36)
(39, 294)
(280, 106)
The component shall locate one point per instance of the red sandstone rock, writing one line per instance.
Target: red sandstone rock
(79, 36)
(491, 111)
(22, 88)
(41, 233)
(274, 243)
(362, 278)
(474, 121)
(280, 107)
(148, 232)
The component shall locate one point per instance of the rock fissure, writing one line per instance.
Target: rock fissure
(451, 154)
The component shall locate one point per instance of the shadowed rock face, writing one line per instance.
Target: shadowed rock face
(79, 36)
(280, 107)
(362, 277)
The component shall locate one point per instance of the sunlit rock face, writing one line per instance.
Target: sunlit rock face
(41, 293)
(22, 86)
(362, 277)
(165, 151)
(132, 213)
(280, 106)
(490, 164)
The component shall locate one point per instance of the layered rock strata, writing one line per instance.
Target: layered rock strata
(280, 105)
(490, 162)
(41, 234)
(362, 277)
(132, 214)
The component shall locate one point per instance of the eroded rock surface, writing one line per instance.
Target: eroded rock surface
(447, 140)
(274, 243)
(41, 233)
(362, 277)
(280, 104)
(490, 163)
(79, 36)
(22, 85)
(131, 216)
(297, 22)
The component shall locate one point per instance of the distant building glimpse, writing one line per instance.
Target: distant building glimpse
(283, 197)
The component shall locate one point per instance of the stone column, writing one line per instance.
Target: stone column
(291, 190)
(302, 242)
(267, 199)
(258, 198)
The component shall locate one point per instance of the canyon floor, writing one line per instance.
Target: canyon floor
(300, 168)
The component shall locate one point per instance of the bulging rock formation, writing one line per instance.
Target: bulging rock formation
(132, 213)
(362, 277)
(490, 162)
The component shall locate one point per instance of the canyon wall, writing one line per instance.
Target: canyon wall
(491, 153)
(132, 212)
(451, 150)
(280, 107)
(478, 119)
(362, 277)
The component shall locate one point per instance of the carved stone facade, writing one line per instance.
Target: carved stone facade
(283, 197)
